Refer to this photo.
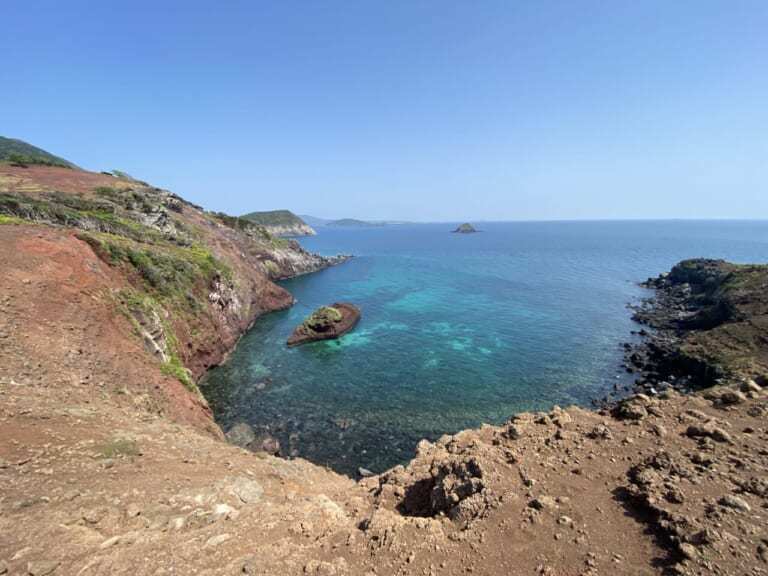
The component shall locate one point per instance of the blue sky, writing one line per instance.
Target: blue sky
(405, 110)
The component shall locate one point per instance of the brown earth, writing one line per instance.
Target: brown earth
(109, 466)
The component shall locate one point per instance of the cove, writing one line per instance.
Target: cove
(456, 330)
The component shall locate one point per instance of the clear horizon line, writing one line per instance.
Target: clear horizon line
(402, 221)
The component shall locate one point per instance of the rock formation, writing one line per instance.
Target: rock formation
(465, 228)
(326, 323)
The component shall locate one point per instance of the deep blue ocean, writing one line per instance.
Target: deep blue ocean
(456, 330)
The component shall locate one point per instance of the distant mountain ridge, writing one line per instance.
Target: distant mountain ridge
(351, 222)
(355, 222)
(280, 223)
(22, 154)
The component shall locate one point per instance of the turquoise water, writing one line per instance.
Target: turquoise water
(456, 330)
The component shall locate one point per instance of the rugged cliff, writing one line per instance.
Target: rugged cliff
(193, 280)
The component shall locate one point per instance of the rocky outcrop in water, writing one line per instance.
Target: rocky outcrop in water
(465, 228)
(326, 323)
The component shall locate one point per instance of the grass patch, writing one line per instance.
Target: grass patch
(119, 448)
(175, 369)
(10, 220)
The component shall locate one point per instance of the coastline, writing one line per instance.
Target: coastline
(111, 465)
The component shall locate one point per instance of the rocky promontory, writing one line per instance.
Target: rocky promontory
(281, 223)
(707, 323)
(326, 323)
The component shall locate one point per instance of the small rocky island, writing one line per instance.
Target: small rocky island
(465, 228)
(326, 323)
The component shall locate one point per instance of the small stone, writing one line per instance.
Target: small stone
(543, 503)
(600, 431)
(709, 431)
(732, 397)
(688, 550)
(364, 472)
(177, 523)
(3, 567)
(731, 501)
(241, 434)
(249, 491)
(225, 511)
(133, 510)
(750, 386)
(216, 540)
(269, 445)
(109, 542)
(42, 567)
(631, 410)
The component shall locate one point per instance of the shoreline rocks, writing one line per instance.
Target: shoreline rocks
(326, 323)
(698, 321)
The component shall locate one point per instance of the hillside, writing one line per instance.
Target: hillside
(21, 153)
(177, 259)
(280, 223)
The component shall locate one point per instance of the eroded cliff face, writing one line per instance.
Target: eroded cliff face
(192, 281)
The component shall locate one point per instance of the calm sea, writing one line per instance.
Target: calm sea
(457, 330)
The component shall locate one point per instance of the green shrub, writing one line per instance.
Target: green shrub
(25, 160)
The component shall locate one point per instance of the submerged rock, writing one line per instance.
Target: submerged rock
(325, 323)
(241, 434)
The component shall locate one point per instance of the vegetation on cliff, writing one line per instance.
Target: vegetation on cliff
(195, 280)
(280, 222)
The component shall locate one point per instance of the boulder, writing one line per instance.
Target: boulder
(325, 323)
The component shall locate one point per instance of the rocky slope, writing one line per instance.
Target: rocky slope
(709, 321)
(193, 280)
(110, 464)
